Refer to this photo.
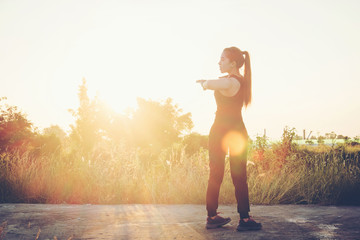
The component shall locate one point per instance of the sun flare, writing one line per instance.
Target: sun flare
(234, 141)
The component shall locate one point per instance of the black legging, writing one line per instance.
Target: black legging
(228, 132)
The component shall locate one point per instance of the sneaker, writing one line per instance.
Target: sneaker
(218, 221)
(249, 225)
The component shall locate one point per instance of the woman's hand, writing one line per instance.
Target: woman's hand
(201, 83)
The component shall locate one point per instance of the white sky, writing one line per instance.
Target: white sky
(305, 58)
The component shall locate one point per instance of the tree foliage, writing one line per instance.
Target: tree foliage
(158, 124)
(194, 141)
(17, 133)
(152, 126)
(15, 130)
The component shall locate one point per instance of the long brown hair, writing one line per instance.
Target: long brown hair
(235, 54)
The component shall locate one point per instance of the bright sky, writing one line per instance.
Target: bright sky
(305, 58)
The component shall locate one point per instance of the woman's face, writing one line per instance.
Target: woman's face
(225, 64)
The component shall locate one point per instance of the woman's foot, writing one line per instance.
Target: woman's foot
(216, 221)
(247, 224)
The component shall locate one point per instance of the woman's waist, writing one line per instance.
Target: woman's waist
(220, 113)
(226, 123)
(229, 119)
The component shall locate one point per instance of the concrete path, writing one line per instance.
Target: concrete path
(187, 221)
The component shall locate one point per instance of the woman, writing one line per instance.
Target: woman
(228, 134)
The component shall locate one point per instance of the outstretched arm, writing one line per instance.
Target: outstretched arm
(218, 84)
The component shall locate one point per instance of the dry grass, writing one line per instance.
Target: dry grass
(120, 175)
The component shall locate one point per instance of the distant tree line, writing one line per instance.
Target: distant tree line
(152, 126)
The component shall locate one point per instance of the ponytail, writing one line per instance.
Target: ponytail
(235, 54)
(247, 78)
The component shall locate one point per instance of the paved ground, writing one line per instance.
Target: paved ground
(137, 221)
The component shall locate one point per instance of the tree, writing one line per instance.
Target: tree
(153, 125)
(55, 130)
(331, 135)
(321, 140)
(96, 123)
(195, 141)
(114, 127)
(15, 130)
(341, 137)
(157, 125)
(17, 134)
(297, 137)
(85, 132)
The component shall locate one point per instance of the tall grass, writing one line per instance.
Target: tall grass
(306, 174)
(117, 176)
(278, 173)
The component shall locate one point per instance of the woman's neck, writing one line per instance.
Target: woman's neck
(235, 72)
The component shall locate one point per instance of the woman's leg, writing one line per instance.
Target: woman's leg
(238, 160)
(216, 164)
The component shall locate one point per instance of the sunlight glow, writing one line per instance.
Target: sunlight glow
(128, 49)
(235, 141)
